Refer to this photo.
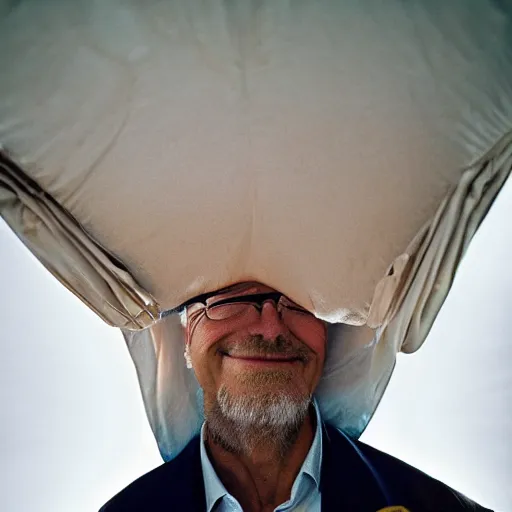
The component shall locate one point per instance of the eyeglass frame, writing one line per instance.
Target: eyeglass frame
(256, 300)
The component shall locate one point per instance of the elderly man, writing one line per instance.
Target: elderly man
(258, 357)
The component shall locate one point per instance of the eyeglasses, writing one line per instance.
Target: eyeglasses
(242, 305)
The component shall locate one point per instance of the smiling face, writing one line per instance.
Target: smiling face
(260, 366)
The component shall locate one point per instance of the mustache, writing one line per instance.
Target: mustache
(259, 346)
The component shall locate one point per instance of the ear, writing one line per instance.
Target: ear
(184, 325)
(185, 333)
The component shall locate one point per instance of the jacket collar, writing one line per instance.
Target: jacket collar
(348, 481)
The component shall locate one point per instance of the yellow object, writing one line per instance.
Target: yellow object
(395, 508)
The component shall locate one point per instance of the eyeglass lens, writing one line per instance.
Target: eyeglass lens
(237, 306)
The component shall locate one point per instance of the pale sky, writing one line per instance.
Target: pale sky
(73, 430)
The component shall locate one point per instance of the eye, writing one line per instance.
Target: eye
(227, 310)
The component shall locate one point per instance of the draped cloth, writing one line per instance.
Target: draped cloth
(150, 154)
(360, 360)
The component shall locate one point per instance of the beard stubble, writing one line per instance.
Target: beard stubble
(269, 416)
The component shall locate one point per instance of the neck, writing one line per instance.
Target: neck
(261, 478)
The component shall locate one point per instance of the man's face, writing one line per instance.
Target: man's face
(260, 360)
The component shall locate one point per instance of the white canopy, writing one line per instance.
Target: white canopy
(343, 153)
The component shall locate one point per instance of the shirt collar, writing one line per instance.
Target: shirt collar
(213, 487)
(312, 465)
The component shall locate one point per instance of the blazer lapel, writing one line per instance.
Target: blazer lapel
(346, 482)
(186, 480)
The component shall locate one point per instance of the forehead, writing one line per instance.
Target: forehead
(244, 287)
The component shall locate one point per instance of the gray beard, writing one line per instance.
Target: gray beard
(269, 420)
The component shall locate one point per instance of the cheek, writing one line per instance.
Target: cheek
(202, 339)
(315, 337)
(318, 344)
(319, 347)
(204, 362)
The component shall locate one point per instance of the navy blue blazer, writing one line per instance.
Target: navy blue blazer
(355, 478)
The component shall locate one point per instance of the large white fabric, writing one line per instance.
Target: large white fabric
(343, 153)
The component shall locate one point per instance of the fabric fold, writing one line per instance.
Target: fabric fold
(435, 253)
(360, 360)
(60, 243)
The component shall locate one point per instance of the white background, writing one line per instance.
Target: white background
(73, 429)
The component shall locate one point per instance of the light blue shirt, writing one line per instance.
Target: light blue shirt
(305, 495)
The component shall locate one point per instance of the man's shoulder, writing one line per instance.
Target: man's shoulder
(410, 484)
(172, 483)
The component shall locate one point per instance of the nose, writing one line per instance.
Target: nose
(269, 323)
